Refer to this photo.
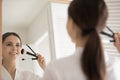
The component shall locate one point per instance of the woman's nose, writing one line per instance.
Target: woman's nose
(14, 47)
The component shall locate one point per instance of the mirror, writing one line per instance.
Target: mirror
(42, 26)
(28, 18)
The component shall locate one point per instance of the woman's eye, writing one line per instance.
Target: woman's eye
(9, 44)
(18, 45)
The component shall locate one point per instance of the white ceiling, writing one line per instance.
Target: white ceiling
(20, 13)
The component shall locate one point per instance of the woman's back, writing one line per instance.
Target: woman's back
(69, 68)
(66, 68)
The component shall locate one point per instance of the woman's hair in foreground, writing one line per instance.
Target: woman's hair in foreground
(7, 34)
(87, 14)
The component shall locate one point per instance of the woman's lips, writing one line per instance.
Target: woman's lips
(14, 53)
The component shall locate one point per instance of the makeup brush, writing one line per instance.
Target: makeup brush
(26, 52)
(23, 59)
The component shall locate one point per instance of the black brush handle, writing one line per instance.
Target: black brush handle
(30, 48)
(31, 54)
(34, 58)
(109, 35)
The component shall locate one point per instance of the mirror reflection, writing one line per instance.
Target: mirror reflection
(28, 18)
(41, 26)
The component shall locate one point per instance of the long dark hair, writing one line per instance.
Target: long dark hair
(87, 14)
(7, 34)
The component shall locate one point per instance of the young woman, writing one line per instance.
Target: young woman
(86, 19)
(11, 46)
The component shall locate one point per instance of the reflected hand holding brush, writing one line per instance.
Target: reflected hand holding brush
(37, 57)
(23, 51)
(31, 54)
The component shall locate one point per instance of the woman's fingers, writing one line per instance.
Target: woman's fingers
(41, 61)
(117, 41)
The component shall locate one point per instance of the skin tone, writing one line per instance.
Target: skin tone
(11, 51)
(117, 41)
(41, 61)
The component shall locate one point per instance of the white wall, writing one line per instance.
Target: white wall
(39, 26)
(21, 31)
(38, 38)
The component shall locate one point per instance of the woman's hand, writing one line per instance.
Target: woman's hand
(117, 41)
(41, 61)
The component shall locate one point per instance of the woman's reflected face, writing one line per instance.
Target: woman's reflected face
(11, 48)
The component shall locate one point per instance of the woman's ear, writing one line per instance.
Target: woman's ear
(75, 28)
(72, 25)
